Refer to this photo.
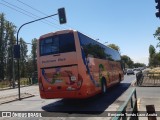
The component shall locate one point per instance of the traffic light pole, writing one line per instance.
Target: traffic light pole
(19, 51)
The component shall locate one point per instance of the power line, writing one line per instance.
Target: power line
(25, 12)
(33, 16)
(39, 11)
(36, 10)
(20, 11)
(15, 9)
(32, 7)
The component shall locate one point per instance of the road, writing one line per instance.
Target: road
(95, 106)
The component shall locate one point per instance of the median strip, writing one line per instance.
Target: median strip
(12, 98)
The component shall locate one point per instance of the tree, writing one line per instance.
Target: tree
(23, 57)
(157, 36)
(7, 40)
(95, 50)
(10, 38)
(2, 46)
(113, 46)
(152, 50)
(31, 65)
(155, 60)
(34, 54)
(136, 65)
(127, 60)
(152, 56)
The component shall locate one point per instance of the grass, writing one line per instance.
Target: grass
(4, 84)
(25, 81)
(7, 83)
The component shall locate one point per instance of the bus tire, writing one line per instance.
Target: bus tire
(103, 87)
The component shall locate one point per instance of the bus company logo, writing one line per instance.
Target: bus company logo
(6, 114)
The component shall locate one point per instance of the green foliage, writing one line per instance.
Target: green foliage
(154, 58)
(95, 50)
(11, 40)
(7, 40)
(113, 46)
(31, 64)
(157, 36)
(127, 61)
(2, 46)
(34, 54)
(136, 65)
(152, 50)
(23, 57)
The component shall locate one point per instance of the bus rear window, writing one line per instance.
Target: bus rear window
(57, 44)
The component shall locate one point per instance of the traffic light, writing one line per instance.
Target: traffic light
(62, 15)
(158, 8)
(16, 51)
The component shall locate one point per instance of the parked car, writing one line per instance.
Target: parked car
(130, 72)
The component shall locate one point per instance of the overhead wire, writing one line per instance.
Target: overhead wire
(38, 11)
(15, 9)
(32, 13)
(27, 13)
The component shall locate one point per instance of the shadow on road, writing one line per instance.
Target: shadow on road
(94, 105)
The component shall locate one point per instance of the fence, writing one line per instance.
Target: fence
(148, 79)
(139, 78)
(128, 108)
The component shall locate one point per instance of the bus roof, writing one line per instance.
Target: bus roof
(56, 32)
(70, 30)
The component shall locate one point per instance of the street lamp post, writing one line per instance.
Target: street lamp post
(18, 45)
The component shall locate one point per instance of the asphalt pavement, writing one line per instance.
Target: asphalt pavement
(111, 101)
(73, 109)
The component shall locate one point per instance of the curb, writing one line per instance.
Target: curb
(133, 83)
(138, 103)
(9, 88)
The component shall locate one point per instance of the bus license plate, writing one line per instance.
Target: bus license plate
(58, 81)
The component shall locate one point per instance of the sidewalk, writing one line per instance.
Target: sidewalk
(10, 95)
(11, 98)
(148, 96)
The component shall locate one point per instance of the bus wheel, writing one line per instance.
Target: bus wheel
(119, 79)
(103, 87)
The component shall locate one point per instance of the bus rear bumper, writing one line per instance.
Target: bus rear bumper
(66, 94)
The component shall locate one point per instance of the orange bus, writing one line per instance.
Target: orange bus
(72, 65)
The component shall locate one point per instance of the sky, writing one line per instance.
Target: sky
(130, 24)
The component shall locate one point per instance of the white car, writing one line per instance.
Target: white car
(130, 72)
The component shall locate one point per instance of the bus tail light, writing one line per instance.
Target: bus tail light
(80, 80)
(40, 84)
(73, 78)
